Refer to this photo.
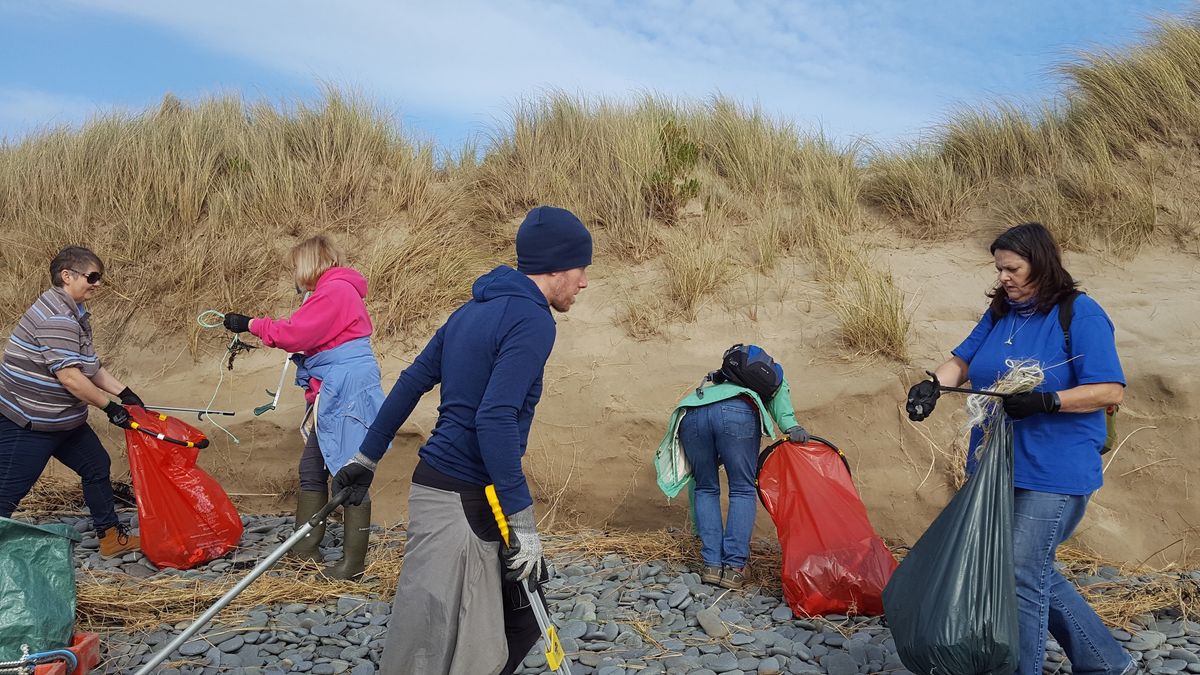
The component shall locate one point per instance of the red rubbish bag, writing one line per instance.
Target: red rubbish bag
(184, 516)
(833, 562)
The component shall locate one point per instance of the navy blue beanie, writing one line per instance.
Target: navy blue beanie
(551, 239)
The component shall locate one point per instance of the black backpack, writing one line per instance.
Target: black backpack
(749, 366)
(1066, 311)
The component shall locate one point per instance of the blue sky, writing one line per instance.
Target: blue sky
(882, 69)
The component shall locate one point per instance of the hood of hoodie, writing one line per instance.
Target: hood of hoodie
(346, 274)
(506, 281)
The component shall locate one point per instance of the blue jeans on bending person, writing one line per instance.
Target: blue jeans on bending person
(723, 433)
(24, 454)
(1046, 600)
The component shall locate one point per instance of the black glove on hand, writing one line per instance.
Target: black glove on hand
(922, 397)
(117, 414)
(797, 434)
(1020, 406)
(238, 323)
(129, 398)
(356, 475)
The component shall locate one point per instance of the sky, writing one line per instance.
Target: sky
(883, 70)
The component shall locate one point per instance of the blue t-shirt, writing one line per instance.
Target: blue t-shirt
(1058, 452)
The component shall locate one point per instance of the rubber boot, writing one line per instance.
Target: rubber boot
(357, 523)
(308, 502)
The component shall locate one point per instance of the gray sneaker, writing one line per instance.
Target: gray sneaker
(711, 575)
(733, 579)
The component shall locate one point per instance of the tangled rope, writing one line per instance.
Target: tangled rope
(984, 411)
(205, 320)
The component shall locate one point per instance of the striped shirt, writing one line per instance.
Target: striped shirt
(54, 333)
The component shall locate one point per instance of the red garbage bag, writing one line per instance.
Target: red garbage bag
(184, 516)
(833, 562)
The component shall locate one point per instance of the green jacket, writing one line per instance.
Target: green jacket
(777, 414)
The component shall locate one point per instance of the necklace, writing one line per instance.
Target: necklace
(1013, 334)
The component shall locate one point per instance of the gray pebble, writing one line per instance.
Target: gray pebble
(712, 624)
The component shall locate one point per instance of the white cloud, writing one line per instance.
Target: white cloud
(854, 68)
(26, 110)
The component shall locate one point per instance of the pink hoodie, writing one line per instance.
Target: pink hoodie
(332, 315)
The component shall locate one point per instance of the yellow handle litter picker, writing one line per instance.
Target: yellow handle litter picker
(556, 658)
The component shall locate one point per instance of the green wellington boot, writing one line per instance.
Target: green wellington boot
(357, 523)
(308, 502)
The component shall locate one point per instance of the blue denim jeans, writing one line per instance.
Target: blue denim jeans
(1042, 521)
(24, 454)
(723, 433)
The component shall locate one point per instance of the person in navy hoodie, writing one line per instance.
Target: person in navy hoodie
(1058, 433)
(458, 606)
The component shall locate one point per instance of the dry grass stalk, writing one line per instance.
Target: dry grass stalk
(113, 600)
(922, 191)
(1120, 603)
(51, 495)
(871, 313)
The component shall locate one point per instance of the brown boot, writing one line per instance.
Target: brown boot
(116, 540)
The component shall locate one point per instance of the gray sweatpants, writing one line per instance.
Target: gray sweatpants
(448, 617)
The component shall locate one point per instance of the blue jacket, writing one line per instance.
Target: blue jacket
(350, 396)
(488, 357)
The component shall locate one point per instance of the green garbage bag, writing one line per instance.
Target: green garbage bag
(37, 587)
(952, 604)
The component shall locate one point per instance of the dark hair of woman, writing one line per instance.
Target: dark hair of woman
(1033, 242)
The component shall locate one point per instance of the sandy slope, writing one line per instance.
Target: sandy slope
(607, 398)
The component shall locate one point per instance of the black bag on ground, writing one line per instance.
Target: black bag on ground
(952, 604)
(750, 366)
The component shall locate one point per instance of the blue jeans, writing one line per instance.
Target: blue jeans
(24, 454)
(726, 432)
(1042, 521)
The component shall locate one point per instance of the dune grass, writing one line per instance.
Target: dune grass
(194, 204)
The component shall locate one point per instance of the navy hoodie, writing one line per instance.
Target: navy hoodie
(488, 357)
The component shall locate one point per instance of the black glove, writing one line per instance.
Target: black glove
(797, 434)
(922, 397)
(356, 475)
(238, 323)
(1020, 406)
(129, 398)
(117, 414)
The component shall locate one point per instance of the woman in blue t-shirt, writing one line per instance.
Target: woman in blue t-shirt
(1058, 432)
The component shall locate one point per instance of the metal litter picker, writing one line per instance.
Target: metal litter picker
(261, 567)
(556, 658)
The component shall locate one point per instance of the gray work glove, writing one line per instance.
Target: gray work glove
(524, 552)
(797, 434)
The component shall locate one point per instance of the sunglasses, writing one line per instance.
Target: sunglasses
(92, 278)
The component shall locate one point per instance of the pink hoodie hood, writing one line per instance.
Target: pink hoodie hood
(347, 275)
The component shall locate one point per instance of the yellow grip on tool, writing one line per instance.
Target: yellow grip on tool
(501, 521)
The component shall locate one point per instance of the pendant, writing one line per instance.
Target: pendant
(1008, 342)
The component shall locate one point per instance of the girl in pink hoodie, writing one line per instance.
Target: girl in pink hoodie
(332, 316)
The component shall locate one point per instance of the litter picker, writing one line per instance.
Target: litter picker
(964, 390)
(282, 376)
(556, 658)
(287, 358)
(300, 533)
(200, 412)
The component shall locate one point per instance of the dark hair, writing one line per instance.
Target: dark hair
(73, 258)
(1033, 242)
